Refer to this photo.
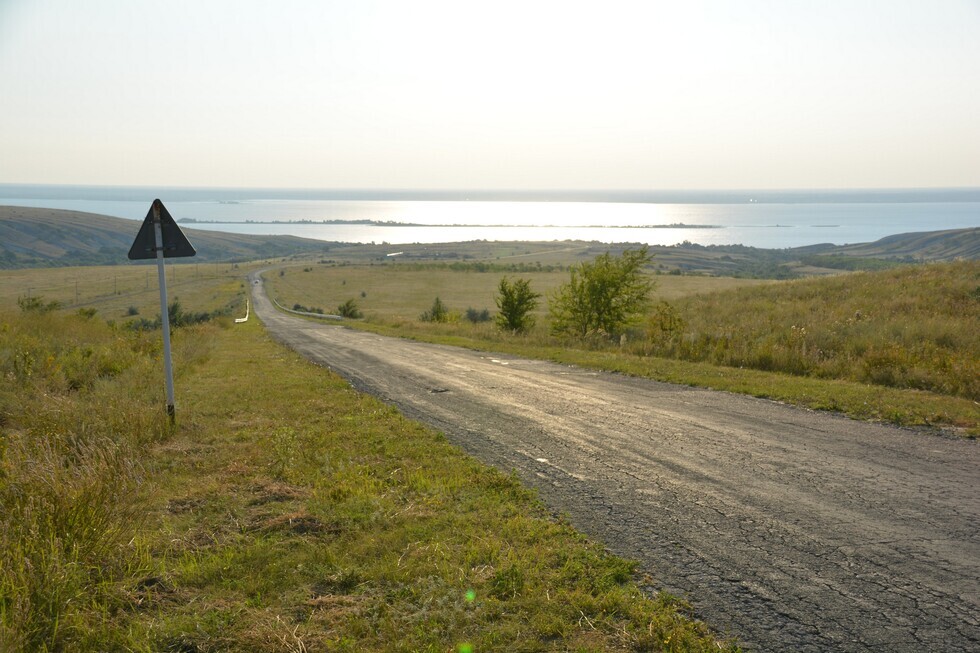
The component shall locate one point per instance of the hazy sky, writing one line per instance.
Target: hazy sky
(499, 94)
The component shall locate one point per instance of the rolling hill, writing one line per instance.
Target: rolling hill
(34, 237)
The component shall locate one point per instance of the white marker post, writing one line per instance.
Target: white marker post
(160, 238)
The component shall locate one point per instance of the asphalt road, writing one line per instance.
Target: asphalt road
(789, 529)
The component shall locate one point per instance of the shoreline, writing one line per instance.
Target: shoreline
(191, 222)
(231, 195)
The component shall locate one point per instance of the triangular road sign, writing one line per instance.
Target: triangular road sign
(175, 243)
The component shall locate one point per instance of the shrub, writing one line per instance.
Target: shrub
(349, 310)
(475, 316)
(178, 317)
(515, 301)
(603, 296)
(308, 309)
(665, 324)
(36, 305)
(437, 313)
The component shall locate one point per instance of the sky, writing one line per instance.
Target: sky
(532, 94)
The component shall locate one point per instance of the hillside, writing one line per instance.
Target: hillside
(891, 251)
(927, 246)
(33, 237)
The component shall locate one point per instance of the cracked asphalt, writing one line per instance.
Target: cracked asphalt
(788, 529)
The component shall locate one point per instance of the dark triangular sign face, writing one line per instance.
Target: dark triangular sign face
(175, 243)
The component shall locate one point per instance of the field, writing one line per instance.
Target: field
(284, 512)
(400, 292)
(113, 291)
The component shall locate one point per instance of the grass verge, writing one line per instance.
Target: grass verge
(286, 512)
(857, 400)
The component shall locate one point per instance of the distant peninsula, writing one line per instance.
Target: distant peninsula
(392, 223)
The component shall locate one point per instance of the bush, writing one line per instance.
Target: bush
(178, 317)
(349, 310)
(308, 309)
(437, 313)
(476, 316)
(603, 296)
(515, 301)
(665, 324)
(36, 305)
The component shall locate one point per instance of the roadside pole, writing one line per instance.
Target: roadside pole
(168, 365)
(159, 237)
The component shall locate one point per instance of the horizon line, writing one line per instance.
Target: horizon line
(508, 189)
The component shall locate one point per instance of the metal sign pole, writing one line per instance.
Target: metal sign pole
(164, 313)
(159, 237)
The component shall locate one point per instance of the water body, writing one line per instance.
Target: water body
(770, 219)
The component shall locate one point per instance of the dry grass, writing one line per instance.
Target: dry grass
(73, 414)
(292, 514)
(393, 292)
(112, 290)
(913, 327)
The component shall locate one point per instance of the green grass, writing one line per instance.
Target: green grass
(899, 345)
(285, 512)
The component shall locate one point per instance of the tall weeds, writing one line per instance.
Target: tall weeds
(911, 327)
(74, 409)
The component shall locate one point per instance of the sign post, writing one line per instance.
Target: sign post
(160, 238)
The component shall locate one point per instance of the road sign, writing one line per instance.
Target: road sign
(159, 238)
(175, 243)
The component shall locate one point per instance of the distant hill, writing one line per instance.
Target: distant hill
(926, 246)
(32, 237)
(742, 261)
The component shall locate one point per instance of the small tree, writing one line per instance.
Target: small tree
(603, 296)
(515, 302)
(438, 312)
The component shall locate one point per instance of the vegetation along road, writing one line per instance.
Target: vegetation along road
(789, 529)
